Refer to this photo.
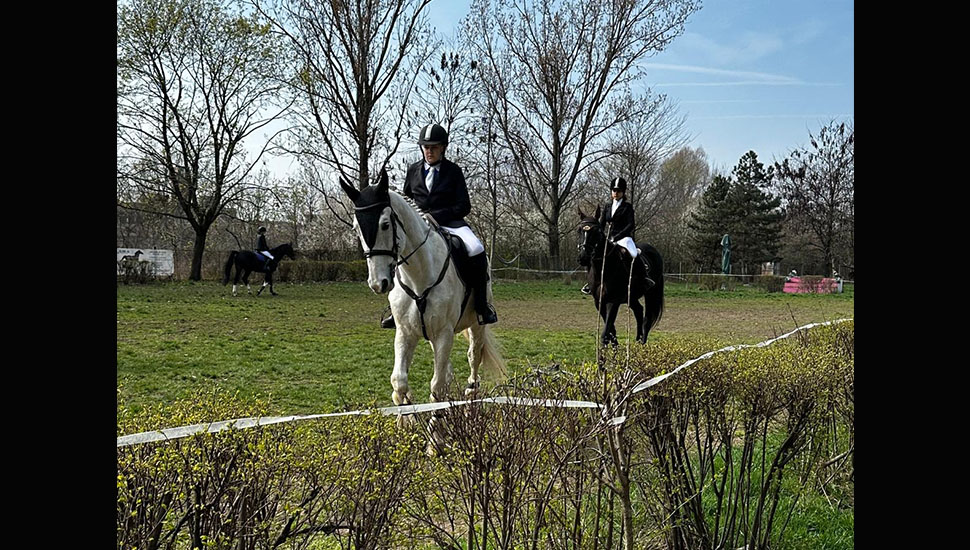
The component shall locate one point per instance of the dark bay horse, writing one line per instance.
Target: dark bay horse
(246, 261)
(611, 282)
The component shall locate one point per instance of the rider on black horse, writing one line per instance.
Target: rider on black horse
(262, 247)
(438, 187)
(620, 214)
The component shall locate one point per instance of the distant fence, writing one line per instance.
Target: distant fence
(349, 265)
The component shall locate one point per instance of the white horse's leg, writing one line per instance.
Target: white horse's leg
(440, 382)
(404, 346)
(234, 289)
(476, 341)
(443, 373)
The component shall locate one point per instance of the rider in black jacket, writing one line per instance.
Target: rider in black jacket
(438, 187)
(261, 245)
(619, 213)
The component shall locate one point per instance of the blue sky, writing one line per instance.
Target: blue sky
(748, 74)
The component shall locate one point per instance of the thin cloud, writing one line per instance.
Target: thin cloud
(726, 101)
(765, 77)
(748, 78)
(749, 83)
(736, 117)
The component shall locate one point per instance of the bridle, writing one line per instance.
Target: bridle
(395, 221)
(596, 246)
(422, 299)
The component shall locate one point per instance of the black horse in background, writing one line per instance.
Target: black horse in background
(612, 290)
(247, 261)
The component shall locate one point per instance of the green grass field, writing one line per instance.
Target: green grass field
(317, 347)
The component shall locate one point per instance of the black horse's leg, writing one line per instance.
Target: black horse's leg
(269, 277)
(609, 323)
(235, 279)
(638, 314)
(245, 279)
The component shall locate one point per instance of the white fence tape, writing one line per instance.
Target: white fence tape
(657, 379)
(168, 434)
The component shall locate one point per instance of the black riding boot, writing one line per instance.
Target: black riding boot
(479, 282)
(388, 322)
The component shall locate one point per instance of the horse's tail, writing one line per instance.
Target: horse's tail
(232, 258)
(493, 365)
(654, 298)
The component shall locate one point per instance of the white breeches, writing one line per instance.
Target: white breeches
(267, 254)
(627, 243)
(472, 245)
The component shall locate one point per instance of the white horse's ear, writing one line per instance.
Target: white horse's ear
(350, 190)
(382, 183)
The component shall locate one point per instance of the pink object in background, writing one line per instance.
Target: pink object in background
(825, 286)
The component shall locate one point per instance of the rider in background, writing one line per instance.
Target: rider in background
(261, 245)
(437, 186)
(619, 213)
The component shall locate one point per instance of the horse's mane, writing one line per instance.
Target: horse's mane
(410, 202)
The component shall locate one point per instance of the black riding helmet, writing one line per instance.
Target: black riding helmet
(262, 229)
(433, 134)
(619, 184)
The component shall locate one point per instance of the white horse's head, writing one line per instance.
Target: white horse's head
(377, 229)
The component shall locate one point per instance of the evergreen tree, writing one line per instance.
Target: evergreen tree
(742, 207)
(709, 223)
(754, 215)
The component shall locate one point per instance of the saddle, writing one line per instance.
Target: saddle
(262, 257)
(458, 255)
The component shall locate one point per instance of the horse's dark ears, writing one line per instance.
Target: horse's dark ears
(598, 209)
(581, 215)
(382, 182)
(350, 190)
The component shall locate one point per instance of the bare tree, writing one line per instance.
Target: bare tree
(357, 67)
(556, 75)
(195, 80)
(819, 187)
(641, 147)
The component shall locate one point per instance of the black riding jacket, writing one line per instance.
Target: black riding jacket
(448, 202)
(623, 223)
(261, 243)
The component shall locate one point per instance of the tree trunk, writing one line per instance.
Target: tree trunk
(195, 274)
(627, 513)
(554, 240)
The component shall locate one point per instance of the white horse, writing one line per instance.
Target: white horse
(409, 259)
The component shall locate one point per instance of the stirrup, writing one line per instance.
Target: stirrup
(387, 322)
(586, 290)
(488, 317)
(650, 282)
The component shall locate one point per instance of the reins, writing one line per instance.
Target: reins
(420, 300)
